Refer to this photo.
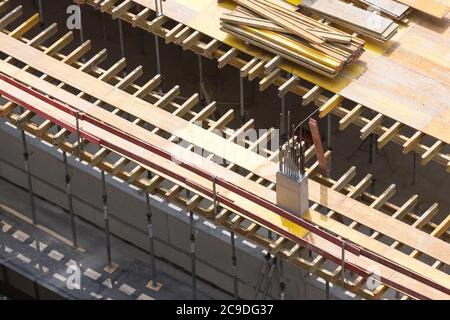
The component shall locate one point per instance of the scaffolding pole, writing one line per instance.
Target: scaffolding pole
(201, 80)
(150, 236)
(68, 180)
(234, 265)
(241, 98)
(193, 259)
(41, 13)
(26, 157)
(106, 217)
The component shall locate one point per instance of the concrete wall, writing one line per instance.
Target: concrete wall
(128, 220)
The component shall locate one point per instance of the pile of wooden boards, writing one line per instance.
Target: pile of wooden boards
(358, 20)
(275, 26)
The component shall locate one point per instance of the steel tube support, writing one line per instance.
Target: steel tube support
(214, 197)
(122, 45)
(26, 157)
(193, 259)
(273, 266)
(329, 142)
(158, 62)
(78, 136)
(41, 13)
(83, 59)
(106, 217)
(241, 98)
(263, 273)
(159, 12)
(68, 180)
(201, 79)
(284, 118)
(343, 265)
(150, 236)
(282, 283)
(234, 266)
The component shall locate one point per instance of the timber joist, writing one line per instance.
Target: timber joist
(136, 174)
(270, 74)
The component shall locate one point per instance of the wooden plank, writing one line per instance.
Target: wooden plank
(350, 117)
(432, 151)
(330, 104)
(412, 142)
(10, 17)
(43, 36)
(371, 126)
(25, 27)
(389, 134)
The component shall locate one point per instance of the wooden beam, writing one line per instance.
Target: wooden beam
(432, 152)
(311, 95)
(371, 126)
(269, 79)
(25, 27)
(44, 35)
(76, 54)
(211, 47)
(141, 17)
(350, 117)
(412, 142)
(287, 86)
(121, 8)
(330, 104)
(389, 134)
(10, 17)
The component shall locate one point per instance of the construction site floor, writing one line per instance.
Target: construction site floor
(49, 267)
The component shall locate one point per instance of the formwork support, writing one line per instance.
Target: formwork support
(234, 266)
(41, 13)
(263, 273)
(329, 141)
(201, 81)
(272, 269)
(106, 217)
(68, 180)
(193, 258)
(122, 45)
(26, 157)
(150, 236)
(282, 283)
(241, 98)
(343, 265)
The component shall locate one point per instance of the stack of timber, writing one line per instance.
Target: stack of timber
(390, 8)
(356, 19)
(273, 26)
